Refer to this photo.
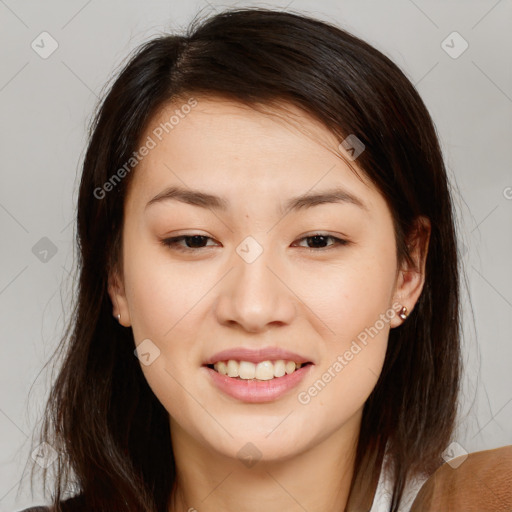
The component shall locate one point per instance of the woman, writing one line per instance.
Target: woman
(264, 221)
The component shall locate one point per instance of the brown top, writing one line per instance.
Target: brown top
(481, 483)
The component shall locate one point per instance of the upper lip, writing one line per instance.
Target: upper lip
(256, 356)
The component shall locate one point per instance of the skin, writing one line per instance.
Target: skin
(313, 301)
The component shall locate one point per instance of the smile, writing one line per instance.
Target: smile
(264, 370)
(247, 387)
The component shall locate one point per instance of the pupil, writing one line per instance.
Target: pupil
(195, 240)
(322, 239)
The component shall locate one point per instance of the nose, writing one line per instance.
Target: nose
(254, 296)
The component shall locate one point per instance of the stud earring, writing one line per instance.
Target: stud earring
(119, 318)
(403, 313)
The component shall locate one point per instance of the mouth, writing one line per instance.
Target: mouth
(262, 371)
(258, 381)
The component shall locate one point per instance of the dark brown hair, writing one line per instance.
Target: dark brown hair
(111, 432)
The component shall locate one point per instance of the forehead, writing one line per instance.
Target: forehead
(238, 128)
(222, 145)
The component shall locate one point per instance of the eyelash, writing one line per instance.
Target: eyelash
(173, 242)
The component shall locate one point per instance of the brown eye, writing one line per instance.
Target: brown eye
(193, 242)
(320, 241)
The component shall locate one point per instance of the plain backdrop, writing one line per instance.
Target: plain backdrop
(46, 104)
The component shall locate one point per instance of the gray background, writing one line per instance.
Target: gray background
(46, 105)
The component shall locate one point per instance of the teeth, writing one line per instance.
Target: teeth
(221, 367)
(246, 370)
(265, 370)
(289, 367)
(279, 368)
(232, 368)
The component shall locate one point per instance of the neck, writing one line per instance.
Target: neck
(317, 479)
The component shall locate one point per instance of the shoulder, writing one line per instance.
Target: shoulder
(73, 504)
(36, 509)
(476, 481)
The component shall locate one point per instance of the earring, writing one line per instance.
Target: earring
(119, 318)
(403, 313)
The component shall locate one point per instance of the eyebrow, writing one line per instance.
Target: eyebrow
(210, 201)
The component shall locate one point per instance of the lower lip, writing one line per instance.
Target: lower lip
(258, 390)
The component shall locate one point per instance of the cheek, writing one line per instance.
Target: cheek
(161, 295)
(340, 389)
(349, 296)
(351, 302)
(357, 314)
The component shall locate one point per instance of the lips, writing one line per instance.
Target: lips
(254, 390)
(256, 356)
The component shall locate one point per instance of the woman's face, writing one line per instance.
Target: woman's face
(259, 279)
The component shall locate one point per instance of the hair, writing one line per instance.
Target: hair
(110, 431)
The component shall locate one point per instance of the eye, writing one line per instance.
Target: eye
(319, 240)
(193, 242)
(196, 242)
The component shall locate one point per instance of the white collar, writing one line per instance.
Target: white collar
(384, 491)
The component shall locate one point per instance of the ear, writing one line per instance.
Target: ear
(118, 297)
(411, 278)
